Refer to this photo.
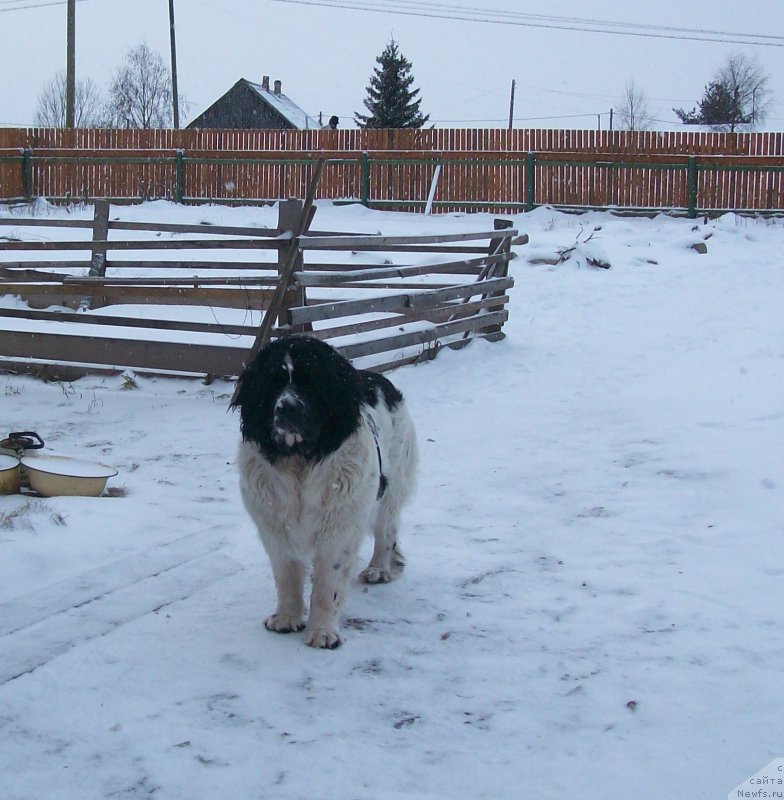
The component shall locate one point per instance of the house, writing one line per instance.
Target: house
(254, 105)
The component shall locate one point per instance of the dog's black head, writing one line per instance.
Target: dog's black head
(298, 396)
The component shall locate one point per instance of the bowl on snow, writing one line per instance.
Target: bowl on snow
(9, 474)
(60, 475)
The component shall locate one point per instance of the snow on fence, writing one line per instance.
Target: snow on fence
(199, 299)
(440, 169)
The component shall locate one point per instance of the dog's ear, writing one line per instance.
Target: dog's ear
(240, 390)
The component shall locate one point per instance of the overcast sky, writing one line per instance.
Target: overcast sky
(324, 56)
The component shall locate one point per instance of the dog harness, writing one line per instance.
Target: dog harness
(382, 479)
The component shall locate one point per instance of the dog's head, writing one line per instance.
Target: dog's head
(298, 396)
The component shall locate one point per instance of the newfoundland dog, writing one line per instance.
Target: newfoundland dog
(328, 454)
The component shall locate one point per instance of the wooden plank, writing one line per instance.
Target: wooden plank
(54, 347)
(381, 242)
(81, 318)
(162, 295)
(437, 315)
(325, 279)
(29, 222)
(188, 281)
(395, 303)
(423, 337)
(204, 227)
(172, 244)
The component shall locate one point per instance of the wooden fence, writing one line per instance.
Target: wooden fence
(442, 170)
(213, 294)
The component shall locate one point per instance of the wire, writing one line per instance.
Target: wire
(464, 13)
(33, 5)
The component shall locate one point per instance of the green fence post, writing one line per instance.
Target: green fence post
(27, 174)
(530, 181)
(365, 179)
(179, 179)
(692, 177)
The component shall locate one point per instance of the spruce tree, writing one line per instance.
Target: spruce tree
(738, 95)
(390, 99)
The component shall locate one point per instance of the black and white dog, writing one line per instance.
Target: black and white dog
(328, 454)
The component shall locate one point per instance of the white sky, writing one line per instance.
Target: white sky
(325, 56)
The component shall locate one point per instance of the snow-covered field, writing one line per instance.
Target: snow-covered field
(593, 602)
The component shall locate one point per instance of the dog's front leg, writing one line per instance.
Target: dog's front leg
(290, 582)
(331, 573)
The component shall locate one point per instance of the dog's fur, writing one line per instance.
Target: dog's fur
(328, 454)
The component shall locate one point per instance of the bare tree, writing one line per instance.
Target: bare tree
(140, 95)
(88, 107)
(748, 85)
(739, 94)
(633, 110)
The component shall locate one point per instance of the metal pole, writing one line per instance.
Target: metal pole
(175, 96)
(511, 106)
(70, 67)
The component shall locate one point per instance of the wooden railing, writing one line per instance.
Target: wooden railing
(210, 292)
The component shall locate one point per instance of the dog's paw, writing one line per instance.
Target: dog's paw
(375, 575)
(284, 623)
(324, 638)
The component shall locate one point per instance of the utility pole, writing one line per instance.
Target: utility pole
(175, 96)
(511, 106)
(612, 111)
(70, 66)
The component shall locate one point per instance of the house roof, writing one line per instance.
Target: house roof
(285, 106)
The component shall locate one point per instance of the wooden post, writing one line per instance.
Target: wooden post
(179, 175)
(70, 66)
(100, 237)
(692, 179)
(287, 264)
(27, 174)
(530, 181)
(289, 214)
(98, 258)
(497, 246)
(175, 94)
(433, 186)
(364, 191)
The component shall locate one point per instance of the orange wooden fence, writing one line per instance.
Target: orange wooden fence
(472, 169)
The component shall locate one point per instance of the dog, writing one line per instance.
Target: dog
(328, 454)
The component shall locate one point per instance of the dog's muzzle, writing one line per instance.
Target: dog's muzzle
(292, 422)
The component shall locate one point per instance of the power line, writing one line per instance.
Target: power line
(581, 25)
(33, 5)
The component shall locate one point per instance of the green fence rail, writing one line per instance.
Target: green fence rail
(478, 181)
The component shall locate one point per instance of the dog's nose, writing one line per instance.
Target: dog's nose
(288, 418)
(288, 407)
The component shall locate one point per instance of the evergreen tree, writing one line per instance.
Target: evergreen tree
(719, 107)
(738, 95)
(390, 100)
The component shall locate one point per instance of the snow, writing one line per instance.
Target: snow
(63, 465)
(592, 603)
(286, 106)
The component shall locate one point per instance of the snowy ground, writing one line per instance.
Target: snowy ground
(593, 602)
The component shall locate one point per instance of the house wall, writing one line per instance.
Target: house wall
(240, 107)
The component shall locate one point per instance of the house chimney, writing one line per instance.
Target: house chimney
(265, 82)
(277, 87)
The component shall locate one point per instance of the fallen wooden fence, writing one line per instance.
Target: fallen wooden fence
(211, 290)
